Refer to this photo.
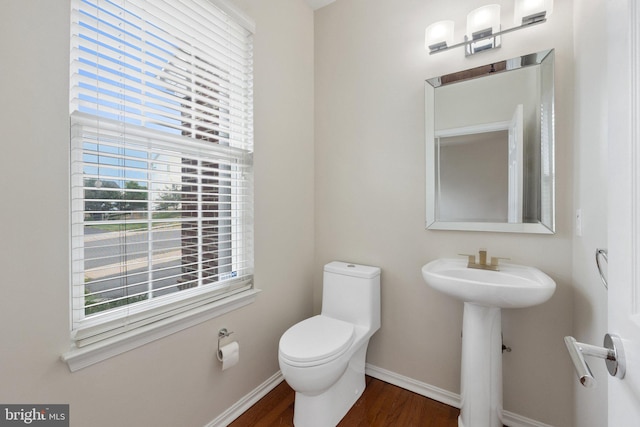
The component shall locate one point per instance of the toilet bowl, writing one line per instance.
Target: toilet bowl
(323, 358)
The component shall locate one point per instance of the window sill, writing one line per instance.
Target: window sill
(78, 358)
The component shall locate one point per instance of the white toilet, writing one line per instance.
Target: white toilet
(323, 357)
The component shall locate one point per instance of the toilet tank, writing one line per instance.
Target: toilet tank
(351, 292)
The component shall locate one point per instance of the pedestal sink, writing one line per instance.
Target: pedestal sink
(485, 293)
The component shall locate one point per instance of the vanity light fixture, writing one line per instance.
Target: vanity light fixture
(439, 35)
(483, 26)
(529, 12)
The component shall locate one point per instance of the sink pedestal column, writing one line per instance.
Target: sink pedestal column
(481, 374)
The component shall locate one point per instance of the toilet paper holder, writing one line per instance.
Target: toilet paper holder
(222, 333)
(612, 352)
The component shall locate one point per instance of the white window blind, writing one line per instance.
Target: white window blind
(161, 169)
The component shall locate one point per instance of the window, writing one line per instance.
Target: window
(161, 162)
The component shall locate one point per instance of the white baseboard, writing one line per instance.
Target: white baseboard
(514, 420)
(241, 406)
(423, 389)
(448, 398)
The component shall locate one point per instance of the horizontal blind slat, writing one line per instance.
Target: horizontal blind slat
(92, 332)
(112, 132)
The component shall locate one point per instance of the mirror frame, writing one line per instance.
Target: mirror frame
(432, 222)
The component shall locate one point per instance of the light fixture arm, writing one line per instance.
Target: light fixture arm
(468, 42)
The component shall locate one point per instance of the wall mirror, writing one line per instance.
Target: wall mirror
(490, 147)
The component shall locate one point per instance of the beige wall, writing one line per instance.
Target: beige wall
(590, 195)
(370, 194)
(175, 381)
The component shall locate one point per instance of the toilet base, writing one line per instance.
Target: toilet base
(328, 408)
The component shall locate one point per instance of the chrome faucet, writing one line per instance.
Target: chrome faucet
(481, 263)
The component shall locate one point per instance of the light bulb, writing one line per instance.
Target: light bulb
(531, 11)
(439, 35)
(483, 21)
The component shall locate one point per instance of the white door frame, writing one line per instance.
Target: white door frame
(624, 204)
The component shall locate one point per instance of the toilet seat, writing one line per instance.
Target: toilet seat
(316, 341)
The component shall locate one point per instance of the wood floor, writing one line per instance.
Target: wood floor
(381, 405)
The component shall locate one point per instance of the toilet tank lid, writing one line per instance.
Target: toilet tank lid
(350, 269)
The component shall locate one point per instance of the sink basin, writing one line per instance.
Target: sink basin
(485, 293)
(514, 286)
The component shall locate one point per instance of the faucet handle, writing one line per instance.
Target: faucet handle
(496, 259)
(472, 258)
